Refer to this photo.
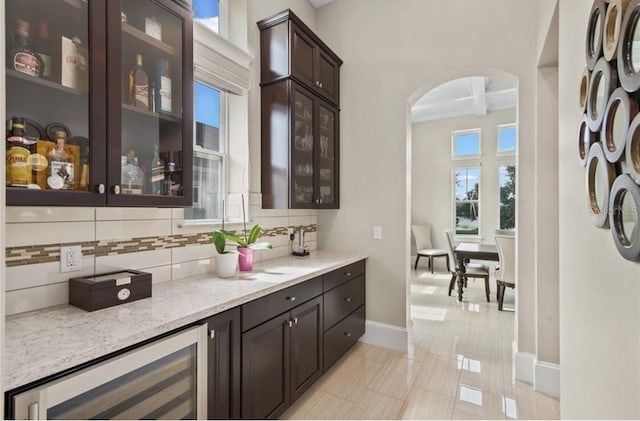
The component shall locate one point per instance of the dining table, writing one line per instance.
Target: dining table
(472, 251)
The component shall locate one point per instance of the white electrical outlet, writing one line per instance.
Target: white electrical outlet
(70, 258)
(290, 230)
(377, 232)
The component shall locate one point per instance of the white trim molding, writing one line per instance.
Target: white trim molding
(547, 378)
(387, 336)
(525, 367)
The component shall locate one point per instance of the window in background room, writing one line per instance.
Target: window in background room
(466, 143)
(467, 195)
(209, 154)
(208, 12)
(507, 197)
(507, 138)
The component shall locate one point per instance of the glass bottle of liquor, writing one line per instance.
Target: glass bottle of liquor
(43, 48)
(157, 171)
(21, 57)
(60, 164)
(18, 155)
(138, 85)
(132, 176)
(74, 64)
(163, 85)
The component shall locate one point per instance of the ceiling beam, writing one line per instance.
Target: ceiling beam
(477, 85)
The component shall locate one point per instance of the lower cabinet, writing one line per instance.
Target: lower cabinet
(281, 359)
(223, 368)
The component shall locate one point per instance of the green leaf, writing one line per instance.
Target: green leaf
(254, 234)
(219, 241)
(232, 237)
(263, 245)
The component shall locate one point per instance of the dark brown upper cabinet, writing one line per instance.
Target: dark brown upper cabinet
(69, 77)
(303, 173)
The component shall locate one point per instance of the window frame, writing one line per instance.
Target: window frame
(476, 164)
(502, 127)
(455, 133)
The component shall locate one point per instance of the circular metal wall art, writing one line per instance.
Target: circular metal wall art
(603, 82)
(593, 44)
(629, 48)
(617, 119)
(624, 205)
(586, 138)
(633, 149)
(584, 89)
(612, 25)
(600, 177)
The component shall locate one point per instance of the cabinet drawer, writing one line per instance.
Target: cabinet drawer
(342, 336)
(265, 308)
(343, 300)
(339, 276)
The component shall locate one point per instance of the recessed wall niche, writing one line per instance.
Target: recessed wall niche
(609, 127)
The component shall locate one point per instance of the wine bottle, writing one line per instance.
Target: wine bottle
(18, 153)
(43, 49)
(138, 85)
(21, 57)
(60, 164)
(132, 177)
(163, 85)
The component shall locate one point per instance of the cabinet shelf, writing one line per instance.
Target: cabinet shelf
(165, 117)
(45, 83)
(148, 39)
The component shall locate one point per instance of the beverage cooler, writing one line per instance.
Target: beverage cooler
(165, 379)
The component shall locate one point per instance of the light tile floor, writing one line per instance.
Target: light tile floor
(459, 367)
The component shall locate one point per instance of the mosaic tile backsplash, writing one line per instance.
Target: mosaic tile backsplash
(153, 240)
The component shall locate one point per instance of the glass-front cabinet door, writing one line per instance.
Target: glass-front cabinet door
(302, 156)
(55, 102)
(327, 157)
(152, 97)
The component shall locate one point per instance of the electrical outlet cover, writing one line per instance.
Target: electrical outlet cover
(70, 258)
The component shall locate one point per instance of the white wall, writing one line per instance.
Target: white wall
(391, 52)
(599, 290)
(432, 168)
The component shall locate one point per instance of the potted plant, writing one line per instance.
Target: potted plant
(226, 260)
(246, 246)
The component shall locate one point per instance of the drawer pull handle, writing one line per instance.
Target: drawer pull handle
(289, 322)
(291, 298)
(347, 299)
(295, 320)
(347, 274)
(347, 334)
(212, 334)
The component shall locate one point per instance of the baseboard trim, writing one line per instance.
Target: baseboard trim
(547, 378)
(387, 336)
(525, 367)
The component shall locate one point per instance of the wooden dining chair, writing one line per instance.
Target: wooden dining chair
(422, 235)
(472, 270)
(506, 276)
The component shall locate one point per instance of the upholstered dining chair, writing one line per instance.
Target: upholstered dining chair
(422, 234)
(506, 276)
(472, 270)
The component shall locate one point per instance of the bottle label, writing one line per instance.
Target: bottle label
(18, 166)
(74, 66)
(165, 94)
(63, 170)
(26, 63)
(48, 64)
(141, 93)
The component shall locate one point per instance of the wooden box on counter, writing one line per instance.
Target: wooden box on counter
(107, 290)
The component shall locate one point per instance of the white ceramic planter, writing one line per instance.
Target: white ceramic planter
(226, 264)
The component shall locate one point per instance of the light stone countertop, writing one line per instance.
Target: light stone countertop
(45, 342)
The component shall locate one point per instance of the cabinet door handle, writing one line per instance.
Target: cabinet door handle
(290, 323)
(100, 189)
(116, 189)
(347, 274)
(212, 334)
(33, 411)
(347, 334)
(295, 320)
(321, 84)
(347, 299)
(293, 298)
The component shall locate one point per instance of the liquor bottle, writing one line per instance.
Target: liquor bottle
(132, 177)
(43, 48)
(60, 164)
(74, 64)
(21, 57)
(138, 85)
(163, 97)
(18, 155)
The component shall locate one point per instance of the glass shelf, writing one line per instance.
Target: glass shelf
(166, 117)
(148, 39)
(45, 83)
